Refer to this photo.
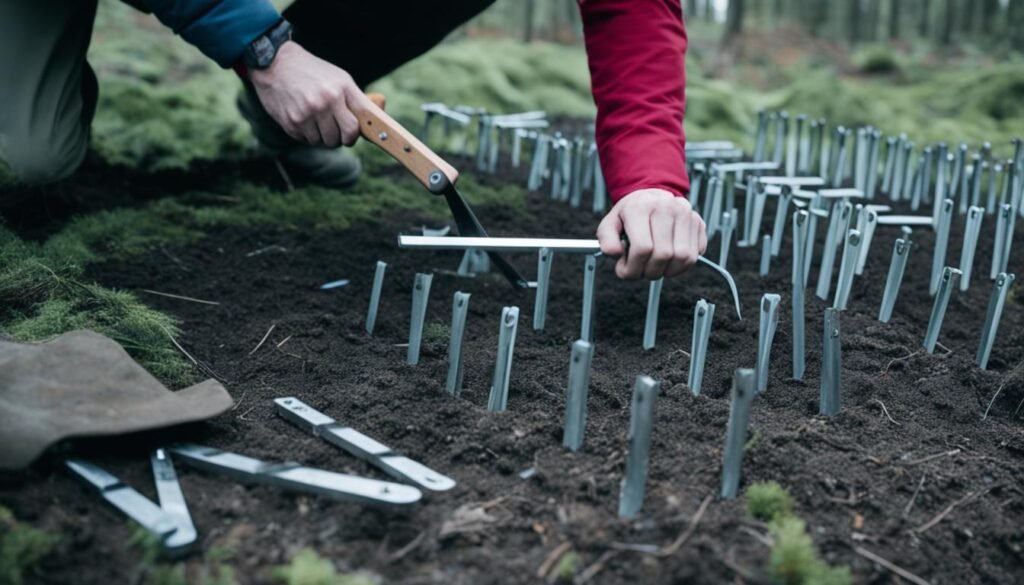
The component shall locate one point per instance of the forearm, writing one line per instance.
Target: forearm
(636, 51)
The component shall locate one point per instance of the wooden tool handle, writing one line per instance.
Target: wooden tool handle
(381, 129)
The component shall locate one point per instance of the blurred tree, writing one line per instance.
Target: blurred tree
(948, 18)
(733, 20)
(853, 21)
(529, 6)
(1015, 20)
(894, 19)
(925, 14)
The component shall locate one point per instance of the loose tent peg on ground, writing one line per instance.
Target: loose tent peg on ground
(743, 390)
(651, 321)
(460, 308)
(831, 364)
(641, 420)
(946, 285)
(800, 226)
(545, 258)
(766, 334)
(900, 253)
(378, 284)
(420, 296)
(992, 315)
(576, 394)
(703, 316)
(498, 399)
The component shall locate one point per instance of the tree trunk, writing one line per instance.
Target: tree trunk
(894, 20)
(529, 5)
(989, 13)
(924, 24)
(1015, 18)
(690, 11)
(948, 18)
(853, 21)
(734, 20)
(871, 30)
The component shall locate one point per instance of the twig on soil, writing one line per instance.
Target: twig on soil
(175, 259)
(939, 517)
(903, 573)
(262, 341)
(178, 345)
(886, 411)
(764, 539)
(677, 544)
(553, 557)
(289, 186)
(899, 359)
(284, 341)
(179, 297)
(1009, 376)
(932, 457)
(913, 498)
(592, 571)
(402, 552)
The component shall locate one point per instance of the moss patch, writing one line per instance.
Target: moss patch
(767, 500)
(309, 568)
(22, 548)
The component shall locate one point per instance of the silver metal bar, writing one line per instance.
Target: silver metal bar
(641, 420)
(576, 394)
(710, 145)
(868, 234)
(730, 154)
(792, 146)
(993, 178)
(907, 220)
(545, 258)
(800, 225)
(295, 477)
(977, 168)
(761, 136)
(703, 316)
(744, 388)
(754, 194)
(498, 399)
(588, 167)
(840, 165)
(831, 365)
(739, 167)
(872, 170)
(941, 190)
(970, 244)
(728, 226)
(576, 177)
(517, 146)
(956, 190)
(420, 296)
(766, 334)
(781, 213)
(860, 163)
(172, 502)
(359, 445)
(538, 163)
(651, 321)
(841, 193)
(818, 208)
(792, 181)
(837, 220)
(1007, 241)
(945, 219)
(900, 174)
(766, 255)
(712, 212)
(992, 316)
(567, 163)
(816, 136)
(900, 253)
(946, 286)
(589, 298)
(891, 145)
(781, 131)
(130, 502)
(600, 189)
(847, 270)
(378, 284)
(1004, 218)
(460, 308)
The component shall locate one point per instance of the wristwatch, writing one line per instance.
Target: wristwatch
(261, 52)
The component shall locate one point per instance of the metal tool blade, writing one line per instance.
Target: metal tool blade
(172, 501)
(293, 476)
(469, 225)
(571, 246)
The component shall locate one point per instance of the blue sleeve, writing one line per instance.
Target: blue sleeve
(221, 29)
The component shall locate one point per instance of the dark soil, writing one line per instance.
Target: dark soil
(853, 476)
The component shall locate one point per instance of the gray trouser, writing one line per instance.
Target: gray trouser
(47, 90)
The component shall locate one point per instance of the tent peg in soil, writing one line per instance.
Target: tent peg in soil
(744, 387)
(970, 244)
(818, 209)
(378, 284)
(831, 364)
(891, 145)
(1004, 218)
(169, 520)
(766, 334)
(838, 218)
(297, 478)
(946, 285)
(474, 262)
(651, 321)
(848, 269)
(420, 296)
(460, 308)
(359, 445)
(992, 315)
(941, 244)
(641, 420)
(600, 194)
(539, 163)
(545, 258)
(576, 178)
(867, 231)
(703, 315)
(977, 170)
(766, 255)
(728, 225)
(761, 135)
(900, 253)
(800, 225)
(498, 399)
(589, 297)
(1007, 241)
(590, 160)
(712, 212)
(781, 213)
(576, 394)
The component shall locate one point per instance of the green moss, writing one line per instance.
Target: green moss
(22, 548)
(767, 501)
(567, 566)
(794, 558)
(435, 332)
(309, 568)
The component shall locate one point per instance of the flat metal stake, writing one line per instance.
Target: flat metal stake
(1004, 218)
(851, 252)
(498, 399)
(600, 190)
(576, 394)
(831, 365)
(703, 316)
(641, 419)
(576, 177)
(545, 258)
(728, 222)
(761, 136)
(900, 253)
(420, 296)
(946, 285)
(800, 225)
(378, 284)
(589, 299)
(992, 317)
(743, 390)
(460, 307)
(941, 244)
(971, 231)
(867, 234)
(838, 219)
(766, 334)
(891, 145)
(651, 322)
(781, 213)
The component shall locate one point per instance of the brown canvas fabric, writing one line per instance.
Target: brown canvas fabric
(84, 384)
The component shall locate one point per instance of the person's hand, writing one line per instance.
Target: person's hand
(311, 99)
(665, 235)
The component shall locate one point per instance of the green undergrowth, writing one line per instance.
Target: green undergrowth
(794, 559)
(209, 568)
(309, 568)
(22, 548)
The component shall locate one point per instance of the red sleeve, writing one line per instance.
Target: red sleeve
(636, 50)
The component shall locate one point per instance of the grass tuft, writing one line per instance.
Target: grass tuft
(309, 568)
(794, 558)
(767, 501)
(22, 548)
